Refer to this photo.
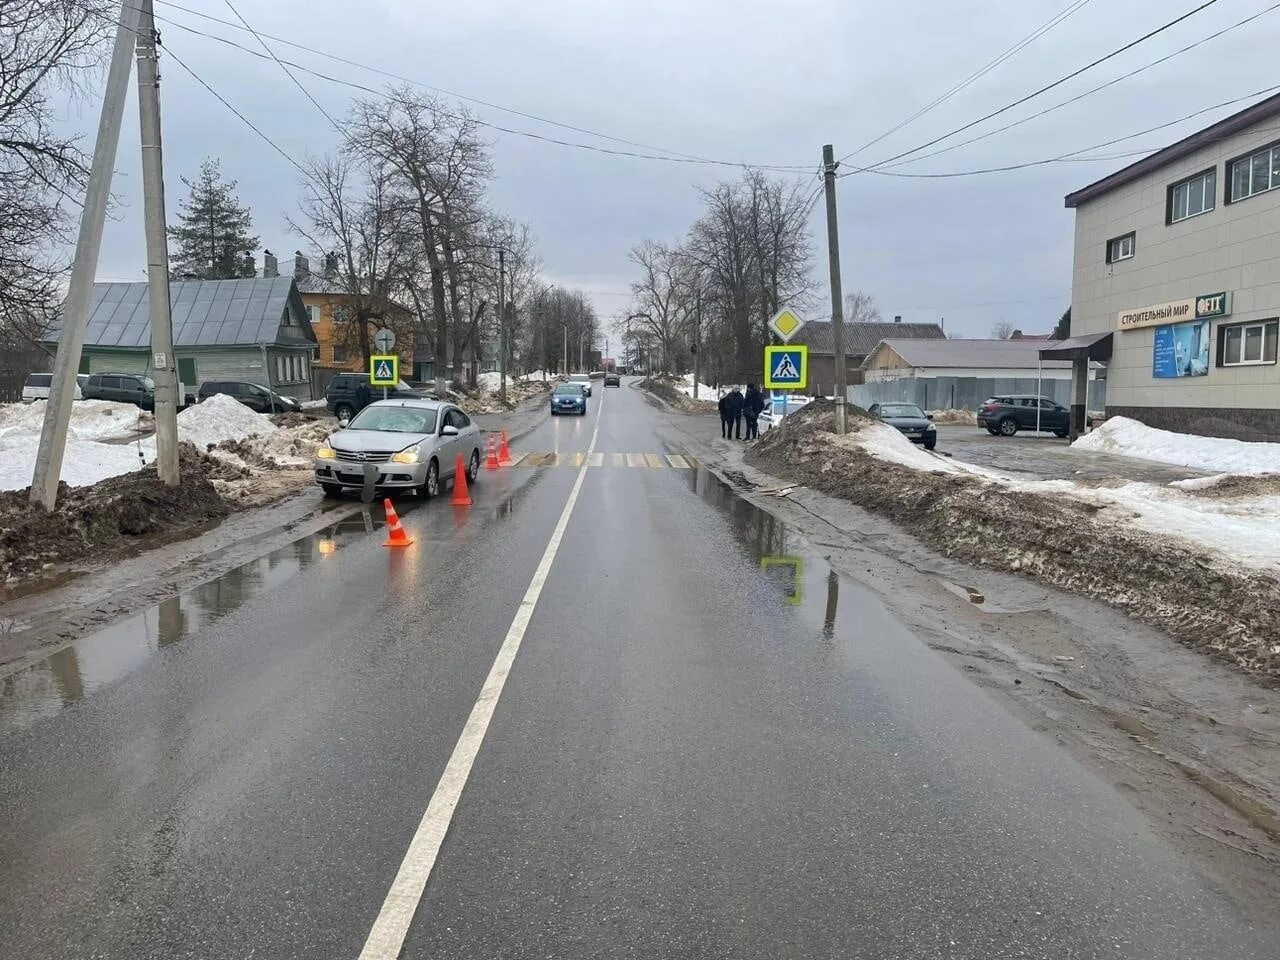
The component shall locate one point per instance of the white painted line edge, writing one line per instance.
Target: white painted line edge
(386, 938)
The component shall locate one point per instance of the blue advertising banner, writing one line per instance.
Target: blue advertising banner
(1181, 350)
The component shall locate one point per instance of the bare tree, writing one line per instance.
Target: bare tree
(664, 296)
(860, 307)
(1002, 330)
(46, 47)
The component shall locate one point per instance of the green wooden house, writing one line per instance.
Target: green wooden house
(253, 329)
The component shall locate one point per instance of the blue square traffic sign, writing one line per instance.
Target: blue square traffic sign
(786, 368)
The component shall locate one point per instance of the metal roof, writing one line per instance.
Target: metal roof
(973, 354)
(1095, 346)
(206, 313)
(861, 338)
(1236, 123)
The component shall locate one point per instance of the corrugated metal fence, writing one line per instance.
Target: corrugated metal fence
(967, 393)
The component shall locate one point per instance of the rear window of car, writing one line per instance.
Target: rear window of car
(39, 380)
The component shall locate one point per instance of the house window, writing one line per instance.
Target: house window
(1193, 196)
(340, 315)
(1121, 248)
(311, 313)
(280, 373)
(1248, 344)
(303, 373)
(339, 354)
(1255, 173)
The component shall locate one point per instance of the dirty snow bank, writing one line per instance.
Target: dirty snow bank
(90, 419)
(85, 462)
(221, 418)
(705, 392)
(1130, 438)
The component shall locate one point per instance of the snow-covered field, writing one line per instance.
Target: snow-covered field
(89, 458)
(1129, 438)
(1243, 529)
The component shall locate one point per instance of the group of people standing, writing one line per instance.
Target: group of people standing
(735, 406)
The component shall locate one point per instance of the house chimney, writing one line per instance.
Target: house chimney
(270, 265)
(301, 266)
(897, 318)
(330, 266)
(250, 269)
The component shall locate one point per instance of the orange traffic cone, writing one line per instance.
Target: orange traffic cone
(491, 460)
(461, 495)
(396, 537)
(504, 452)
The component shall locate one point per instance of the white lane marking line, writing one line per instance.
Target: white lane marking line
(386, 938)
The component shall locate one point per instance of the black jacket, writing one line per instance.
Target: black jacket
(733, 404)
(724, 405)
(753, 402)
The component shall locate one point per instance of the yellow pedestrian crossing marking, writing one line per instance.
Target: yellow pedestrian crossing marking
(644, 461)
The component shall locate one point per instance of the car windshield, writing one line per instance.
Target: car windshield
(395, 420)
(901, 410)
(148, 383)
(568, 390)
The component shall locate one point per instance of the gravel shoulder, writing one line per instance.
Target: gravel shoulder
(1190, 739)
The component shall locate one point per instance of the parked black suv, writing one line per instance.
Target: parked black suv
(122, 387)
(1007, 414)
(252, 395)
(349, 393)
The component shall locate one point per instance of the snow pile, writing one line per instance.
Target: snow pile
(221, 418)
(540, 375)
(704, 392)
(1129, 438)
(492, 381)
(315, 404)
(90, 419)
(966, 417)
(85, 461)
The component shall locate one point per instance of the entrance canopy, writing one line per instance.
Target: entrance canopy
(1094, 346)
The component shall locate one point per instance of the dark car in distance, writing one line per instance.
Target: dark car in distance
(1006, 414)
(349, 393)
(252, 395)
(914, 423)
(569, 398)
(611, 379)
(121, 387)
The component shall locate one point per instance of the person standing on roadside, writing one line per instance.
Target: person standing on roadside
(724, 415)
(733, 403)
(752, 407)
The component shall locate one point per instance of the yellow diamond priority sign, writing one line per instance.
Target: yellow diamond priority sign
(786, 323)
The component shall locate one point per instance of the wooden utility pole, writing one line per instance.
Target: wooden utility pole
(837, 295)
(163, 363)
(75, 313)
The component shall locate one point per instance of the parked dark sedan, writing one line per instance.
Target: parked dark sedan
(911, 420)
(1006, 415)
(252, 395)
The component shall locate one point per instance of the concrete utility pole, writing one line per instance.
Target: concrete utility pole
(75, 313)
(164, 364)
(697, 341)
(837, 294)
(502, 327)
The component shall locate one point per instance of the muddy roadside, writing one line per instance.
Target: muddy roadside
(1188, 739)
(100, 572)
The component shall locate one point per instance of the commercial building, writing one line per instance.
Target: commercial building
(253, 329)
(1177, 264)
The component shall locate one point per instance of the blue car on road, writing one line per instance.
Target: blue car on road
(569, 398)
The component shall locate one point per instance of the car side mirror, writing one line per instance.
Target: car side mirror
(342, 424)
(928, 416)
(449, 430)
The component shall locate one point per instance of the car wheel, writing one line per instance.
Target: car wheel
(431, 488)
(1060, 434)
(930, 444)
(344, 411)
(332, 491)
(1008, 427)
(473, 466)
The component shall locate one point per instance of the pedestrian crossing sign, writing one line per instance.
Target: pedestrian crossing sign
(786, 368)
(384, 370)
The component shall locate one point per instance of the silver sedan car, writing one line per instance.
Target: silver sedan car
(407, 444)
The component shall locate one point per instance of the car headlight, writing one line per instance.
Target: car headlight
(409, 455)
(325, 452)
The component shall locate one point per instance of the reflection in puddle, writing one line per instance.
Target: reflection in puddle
(104, 657)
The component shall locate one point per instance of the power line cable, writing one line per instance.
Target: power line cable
(1047, 87)
(1081, 96)
(782, 167)
(289, 73)
(976, 75)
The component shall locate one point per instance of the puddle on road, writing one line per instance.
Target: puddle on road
(105, 656)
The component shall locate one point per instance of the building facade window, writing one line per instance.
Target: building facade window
(339, 354)
(1248, 344)
(1193, 196)
(1256, 173)
(312, 313)
(1121, 248)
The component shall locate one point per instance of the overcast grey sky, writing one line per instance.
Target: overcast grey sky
(741, 80)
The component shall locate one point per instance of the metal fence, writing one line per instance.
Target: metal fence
(968, 393)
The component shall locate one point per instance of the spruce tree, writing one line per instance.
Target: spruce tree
(211, 240)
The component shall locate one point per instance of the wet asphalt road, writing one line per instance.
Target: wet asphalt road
(709, 746)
